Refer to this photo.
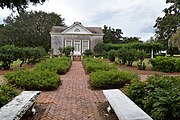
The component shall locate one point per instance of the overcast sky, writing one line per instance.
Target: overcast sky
(136, 18)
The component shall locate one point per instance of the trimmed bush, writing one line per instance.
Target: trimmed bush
(8, 54)
(93, 65)
(34, 80)
(88, 52)
(164, 64)
(177, 64)
(100, 48)
(111, 79)
(58, 65)
(112, 55)
(7, 93)
(159, 96)
(67, 50)
(43, 77)
(141, 65)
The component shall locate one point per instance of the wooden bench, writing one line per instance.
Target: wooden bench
(16, 108)
(124, 108)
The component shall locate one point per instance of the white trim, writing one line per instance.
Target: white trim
(68, 40)
(82, 45)
(77, 52)
(76, 24)
(56, 34)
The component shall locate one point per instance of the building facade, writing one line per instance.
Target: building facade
(77, 36)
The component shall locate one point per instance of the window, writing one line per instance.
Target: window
(85, 45)
(76, 30)
(68, 43)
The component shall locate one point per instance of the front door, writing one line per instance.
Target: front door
(77, 47)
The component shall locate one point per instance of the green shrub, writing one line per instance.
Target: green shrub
(7, 93)
(92, 65)
(141, 65)
(100, 48)
(67, 50)
(177, 64)
(121, 53)
(88, 52)
(164, 64)
(31, 55)
(58, 65)
(131, 56)
(158, 96)
(8, 54)
(34, 80)
(141, 55)
(111, 79)
(112, 55)
(43, 77)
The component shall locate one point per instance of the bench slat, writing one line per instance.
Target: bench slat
(15, 109)
(124, 107)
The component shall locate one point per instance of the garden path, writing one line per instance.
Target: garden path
(73, 100)
(1, 79)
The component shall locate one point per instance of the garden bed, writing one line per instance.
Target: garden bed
(148, 71)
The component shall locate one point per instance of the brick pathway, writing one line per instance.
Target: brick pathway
(1, 80)
(73, 100)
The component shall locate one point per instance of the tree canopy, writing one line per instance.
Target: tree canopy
(127, 40)
(175, 39)
(112, 35)
(167, 25)
(18, 4)
(29, 29)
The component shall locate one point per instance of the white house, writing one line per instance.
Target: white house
(77, 36)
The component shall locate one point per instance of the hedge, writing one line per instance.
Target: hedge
(111, 79)
(34, 80)
(93, 65)
(165, 64)
(7, 93)
(159, 96)
(43, 77)
(58, 65)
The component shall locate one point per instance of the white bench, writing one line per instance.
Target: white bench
(124, 108)
(16, 108)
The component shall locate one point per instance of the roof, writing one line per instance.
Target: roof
(60, 29)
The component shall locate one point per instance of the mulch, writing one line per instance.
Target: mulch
(148, 71)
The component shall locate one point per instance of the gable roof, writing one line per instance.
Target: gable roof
(77, 24)
(63, 29)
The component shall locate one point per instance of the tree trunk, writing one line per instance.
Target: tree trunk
(152, 53)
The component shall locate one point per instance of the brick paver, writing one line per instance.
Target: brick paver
(73, 100)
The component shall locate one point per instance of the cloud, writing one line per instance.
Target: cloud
(134, 17)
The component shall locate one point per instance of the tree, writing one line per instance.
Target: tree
(100, 48)
(8, 54)
(127, 40)
(18, 4)
(168, 25)
(112, 35)
(29, 29)
(175, 39)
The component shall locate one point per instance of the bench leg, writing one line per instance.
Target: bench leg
(109, 109)
(33, 110)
